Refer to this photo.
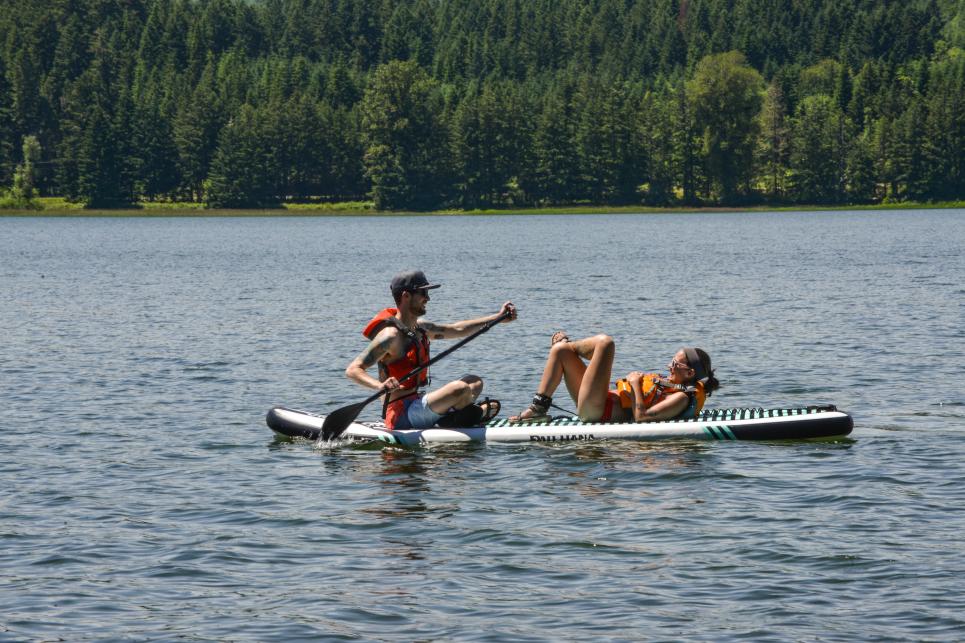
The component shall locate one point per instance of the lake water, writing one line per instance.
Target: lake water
(142, 497)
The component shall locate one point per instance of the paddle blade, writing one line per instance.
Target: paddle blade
(336, 423)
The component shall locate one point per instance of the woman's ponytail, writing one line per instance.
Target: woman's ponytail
(711, 384)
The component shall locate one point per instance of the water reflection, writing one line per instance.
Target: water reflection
(407, 477)
(401, 473)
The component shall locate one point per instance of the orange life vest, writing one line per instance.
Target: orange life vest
(656, 389)
(416, 352)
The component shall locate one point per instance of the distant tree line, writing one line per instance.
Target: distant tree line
(420, 104)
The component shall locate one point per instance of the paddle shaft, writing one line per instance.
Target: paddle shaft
(347, 415)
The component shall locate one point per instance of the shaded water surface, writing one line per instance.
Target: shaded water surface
(143, 498)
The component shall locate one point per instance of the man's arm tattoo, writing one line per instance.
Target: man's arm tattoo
(374, 351)
(435, 331)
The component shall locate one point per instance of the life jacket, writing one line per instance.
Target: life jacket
(656, 389)
(416, 351)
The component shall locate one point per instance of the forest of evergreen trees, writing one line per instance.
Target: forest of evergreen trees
(421, 104)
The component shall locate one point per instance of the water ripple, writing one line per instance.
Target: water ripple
(143, 498)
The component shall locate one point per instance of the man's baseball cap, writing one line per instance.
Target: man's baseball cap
(411, 280)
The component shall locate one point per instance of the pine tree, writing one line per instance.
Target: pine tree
(151, 48)
(391, 188)
(816, 173)
(687, 140)
(883, 146)
(346, 167)
(93, 151)
(98, 165)
(656, 126)
(863, 108)
(773, 144)
(842, 88)
(196, 128)
(861, 181)
(243, 170)
(7, 128)
(625, 143)
(71, 58)
(155, 154)
(122, 131)
(944, 138)
(341, 89)
(911, 170)
(407, 36)
(598, 137)
(488, 139)
(467, 141)
(24, 77)
(556, 162)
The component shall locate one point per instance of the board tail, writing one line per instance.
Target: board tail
(294, 424)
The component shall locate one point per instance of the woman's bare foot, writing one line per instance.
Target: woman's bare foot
(558, 336)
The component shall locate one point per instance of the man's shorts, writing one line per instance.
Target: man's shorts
(417, 414)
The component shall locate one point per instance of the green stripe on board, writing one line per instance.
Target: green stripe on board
(720, 433)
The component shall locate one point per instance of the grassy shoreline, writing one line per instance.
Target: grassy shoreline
(59, 207)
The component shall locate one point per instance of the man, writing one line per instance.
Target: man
(399, 343)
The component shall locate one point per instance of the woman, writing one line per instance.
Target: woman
(639, 398)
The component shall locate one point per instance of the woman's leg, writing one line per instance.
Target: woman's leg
(587, 384)
(563, 363)
(595, 381)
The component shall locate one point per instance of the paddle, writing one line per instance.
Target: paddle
(336, 423)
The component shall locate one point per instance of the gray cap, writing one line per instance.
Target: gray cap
(411, 280)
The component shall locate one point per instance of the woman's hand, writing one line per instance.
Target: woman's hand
(634, 379)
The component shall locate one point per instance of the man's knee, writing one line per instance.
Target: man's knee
(457, 391)
(474, 382)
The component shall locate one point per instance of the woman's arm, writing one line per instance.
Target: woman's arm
(666, 409)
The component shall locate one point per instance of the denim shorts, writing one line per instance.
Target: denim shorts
(418, 415)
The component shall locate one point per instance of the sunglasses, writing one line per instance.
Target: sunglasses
(675, 364)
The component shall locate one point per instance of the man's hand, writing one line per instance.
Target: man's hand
(511, 309)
